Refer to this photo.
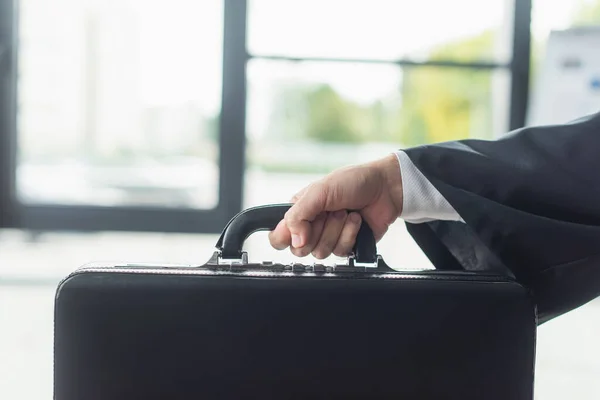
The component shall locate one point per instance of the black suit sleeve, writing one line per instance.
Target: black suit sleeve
(531, 204)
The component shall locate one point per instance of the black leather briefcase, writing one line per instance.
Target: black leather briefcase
(233, 330)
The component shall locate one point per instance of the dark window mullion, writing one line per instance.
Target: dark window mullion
(520, 65)
(232, 137)
(8, 77)
(402, 62)
(97, 218)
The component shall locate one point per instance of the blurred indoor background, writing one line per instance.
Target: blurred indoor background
(134, 129)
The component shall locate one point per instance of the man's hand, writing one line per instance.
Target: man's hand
(318, 222)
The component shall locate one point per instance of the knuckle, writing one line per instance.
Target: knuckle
(277, 241)
(341, 252)
(289, 215)
(327, 240)
(279, 245)
(321, 191)
(345, 247)
(321, 254)
(324, 249)
(296, 252)
(273, 237)
(302, 252)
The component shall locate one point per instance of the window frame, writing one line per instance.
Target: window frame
(45, 217)
(232, 130)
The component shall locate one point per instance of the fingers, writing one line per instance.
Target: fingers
(308, 227)
(298, 195)
(347, 237)
(330, 235)
(307, 207)
(280, 237)
(316, 228)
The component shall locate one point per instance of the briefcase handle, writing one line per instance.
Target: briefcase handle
(266, 218)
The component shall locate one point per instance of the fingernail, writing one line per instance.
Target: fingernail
(340, 214)
(296, 241)
(355, 217)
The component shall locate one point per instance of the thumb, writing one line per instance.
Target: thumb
(306, 209)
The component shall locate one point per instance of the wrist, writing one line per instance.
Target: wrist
(391, 176)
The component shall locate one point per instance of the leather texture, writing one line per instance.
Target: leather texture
(123, 336)
(531, 206)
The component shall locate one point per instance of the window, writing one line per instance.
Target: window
(558, 28)
(113, 100)
(150, 115)
(344, 82)
(335, 82)
(106, 102)
(116, 107)
(375, 30)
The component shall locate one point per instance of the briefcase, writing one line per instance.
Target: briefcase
(230, 329)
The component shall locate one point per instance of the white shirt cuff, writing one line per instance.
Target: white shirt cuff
(422, 202)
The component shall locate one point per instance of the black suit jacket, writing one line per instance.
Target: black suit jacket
(531, 204)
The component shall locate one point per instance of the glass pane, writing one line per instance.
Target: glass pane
(119, 102)
(558, 15)
(381, 29)
(307, 118)
(332, 113)
(565, 66)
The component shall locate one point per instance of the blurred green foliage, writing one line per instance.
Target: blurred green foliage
(437, 104)
(320, 113)
(441, 104)
(331, 117)
(588, 13)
